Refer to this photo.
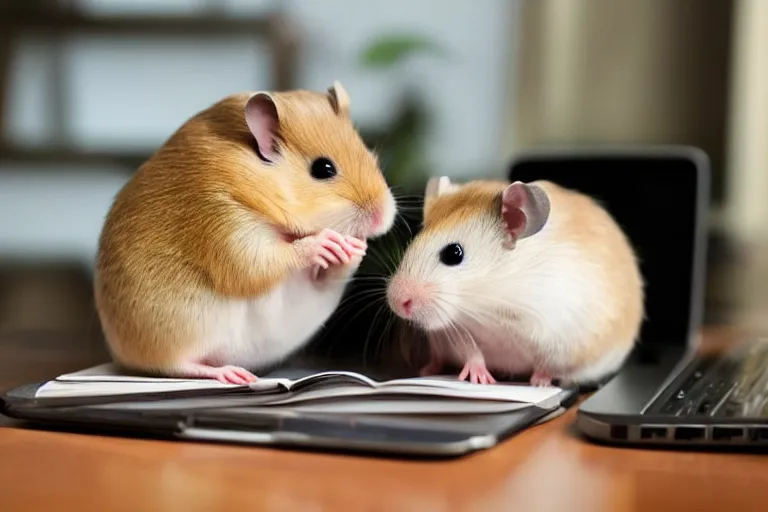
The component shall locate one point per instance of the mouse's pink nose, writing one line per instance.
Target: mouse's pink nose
(406, 307)
(406, 298)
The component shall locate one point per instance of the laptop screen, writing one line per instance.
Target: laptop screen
(654, 199)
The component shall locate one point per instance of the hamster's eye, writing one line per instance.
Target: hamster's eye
(323, 169)
(451, 255)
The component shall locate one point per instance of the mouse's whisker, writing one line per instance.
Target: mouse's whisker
(464, 334)
(450, 331)
(480, 299)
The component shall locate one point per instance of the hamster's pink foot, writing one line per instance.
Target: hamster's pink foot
(433, 367)
(224, 374)
(541, 379)
(476, 371)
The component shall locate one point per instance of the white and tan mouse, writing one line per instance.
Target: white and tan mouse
(520, 279)
(233, 244)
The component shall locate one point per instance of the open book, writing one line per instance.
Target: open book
(332, 391)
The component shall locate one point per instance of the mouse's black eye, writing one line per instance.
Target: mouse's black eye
(323, 169)
(452, 255)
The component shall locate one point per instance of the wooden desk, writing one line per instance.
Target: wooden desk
(545, 468)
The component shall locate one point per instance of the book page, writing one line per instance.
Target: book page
(493, 392)
(56, 389)
(108, 379)
(110, 372)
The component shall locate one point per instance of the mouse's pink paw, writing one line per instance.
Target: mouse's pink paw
(224, 374)
(433, 367)
(329, 248)
(477, 372)
(541, 379)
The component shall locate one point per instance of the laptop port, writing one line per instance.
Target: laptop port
(653, 432)
(619, 432)
(727, 433)
(689, 433)
(758, 434)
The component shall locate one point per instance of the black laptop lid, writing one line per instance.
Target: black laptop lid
(660, 198)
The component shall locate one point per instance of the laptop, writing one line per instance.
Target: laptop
(667, 393)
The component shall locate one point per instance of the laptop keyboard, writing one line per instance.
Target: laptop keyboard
(730, 386)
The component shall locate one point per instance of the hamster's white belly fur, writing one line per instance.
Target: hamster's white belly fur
(254, 333)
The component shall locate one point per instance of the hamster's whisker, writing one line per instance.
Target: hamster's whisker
(395, 192)
(391, 321)
(361, 296)
(375, 254)
(384, 309)
(349, 304)
(399, 216)
(370, 278)
(338, 316)
(384, 258)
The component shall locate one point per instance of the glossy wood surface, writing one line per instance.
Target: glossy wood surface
(548, 467)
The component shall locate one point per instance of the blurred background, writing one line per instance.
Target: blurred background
(90, 88)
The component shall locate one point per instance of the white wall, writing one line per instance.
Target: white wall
(134, 93)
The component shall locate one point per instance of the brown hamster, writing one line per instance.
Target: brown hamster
(520, 279)
(233, 243)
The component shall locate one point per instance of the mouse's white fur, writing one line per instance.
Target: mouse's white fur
(564, 302)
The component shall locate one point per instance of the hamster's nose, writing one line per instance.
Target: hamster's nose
(381, 216)
(376, 219)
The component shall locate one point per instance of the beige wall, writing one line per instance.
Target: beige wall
(621, 71)
(747, 171)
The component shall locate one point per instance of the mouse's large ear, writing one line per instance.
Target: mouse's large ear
(524, 210)
(339, 99)
(263, 121)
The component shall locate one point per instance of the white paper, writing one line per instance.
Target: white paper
(106, 380)
(56, 389)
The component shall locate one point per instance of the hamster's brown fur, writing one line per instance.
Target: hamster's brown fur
(206, 218)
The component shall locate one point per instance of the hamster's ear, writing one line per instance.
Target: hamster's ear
(339, 99)
(524, 210)
(263, 121)
(438, 186)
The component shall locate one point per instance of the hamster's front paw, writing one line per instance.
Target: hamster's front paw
(329, 248)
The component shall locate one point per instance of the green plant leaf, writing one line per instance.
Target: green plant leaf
(387, 51)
